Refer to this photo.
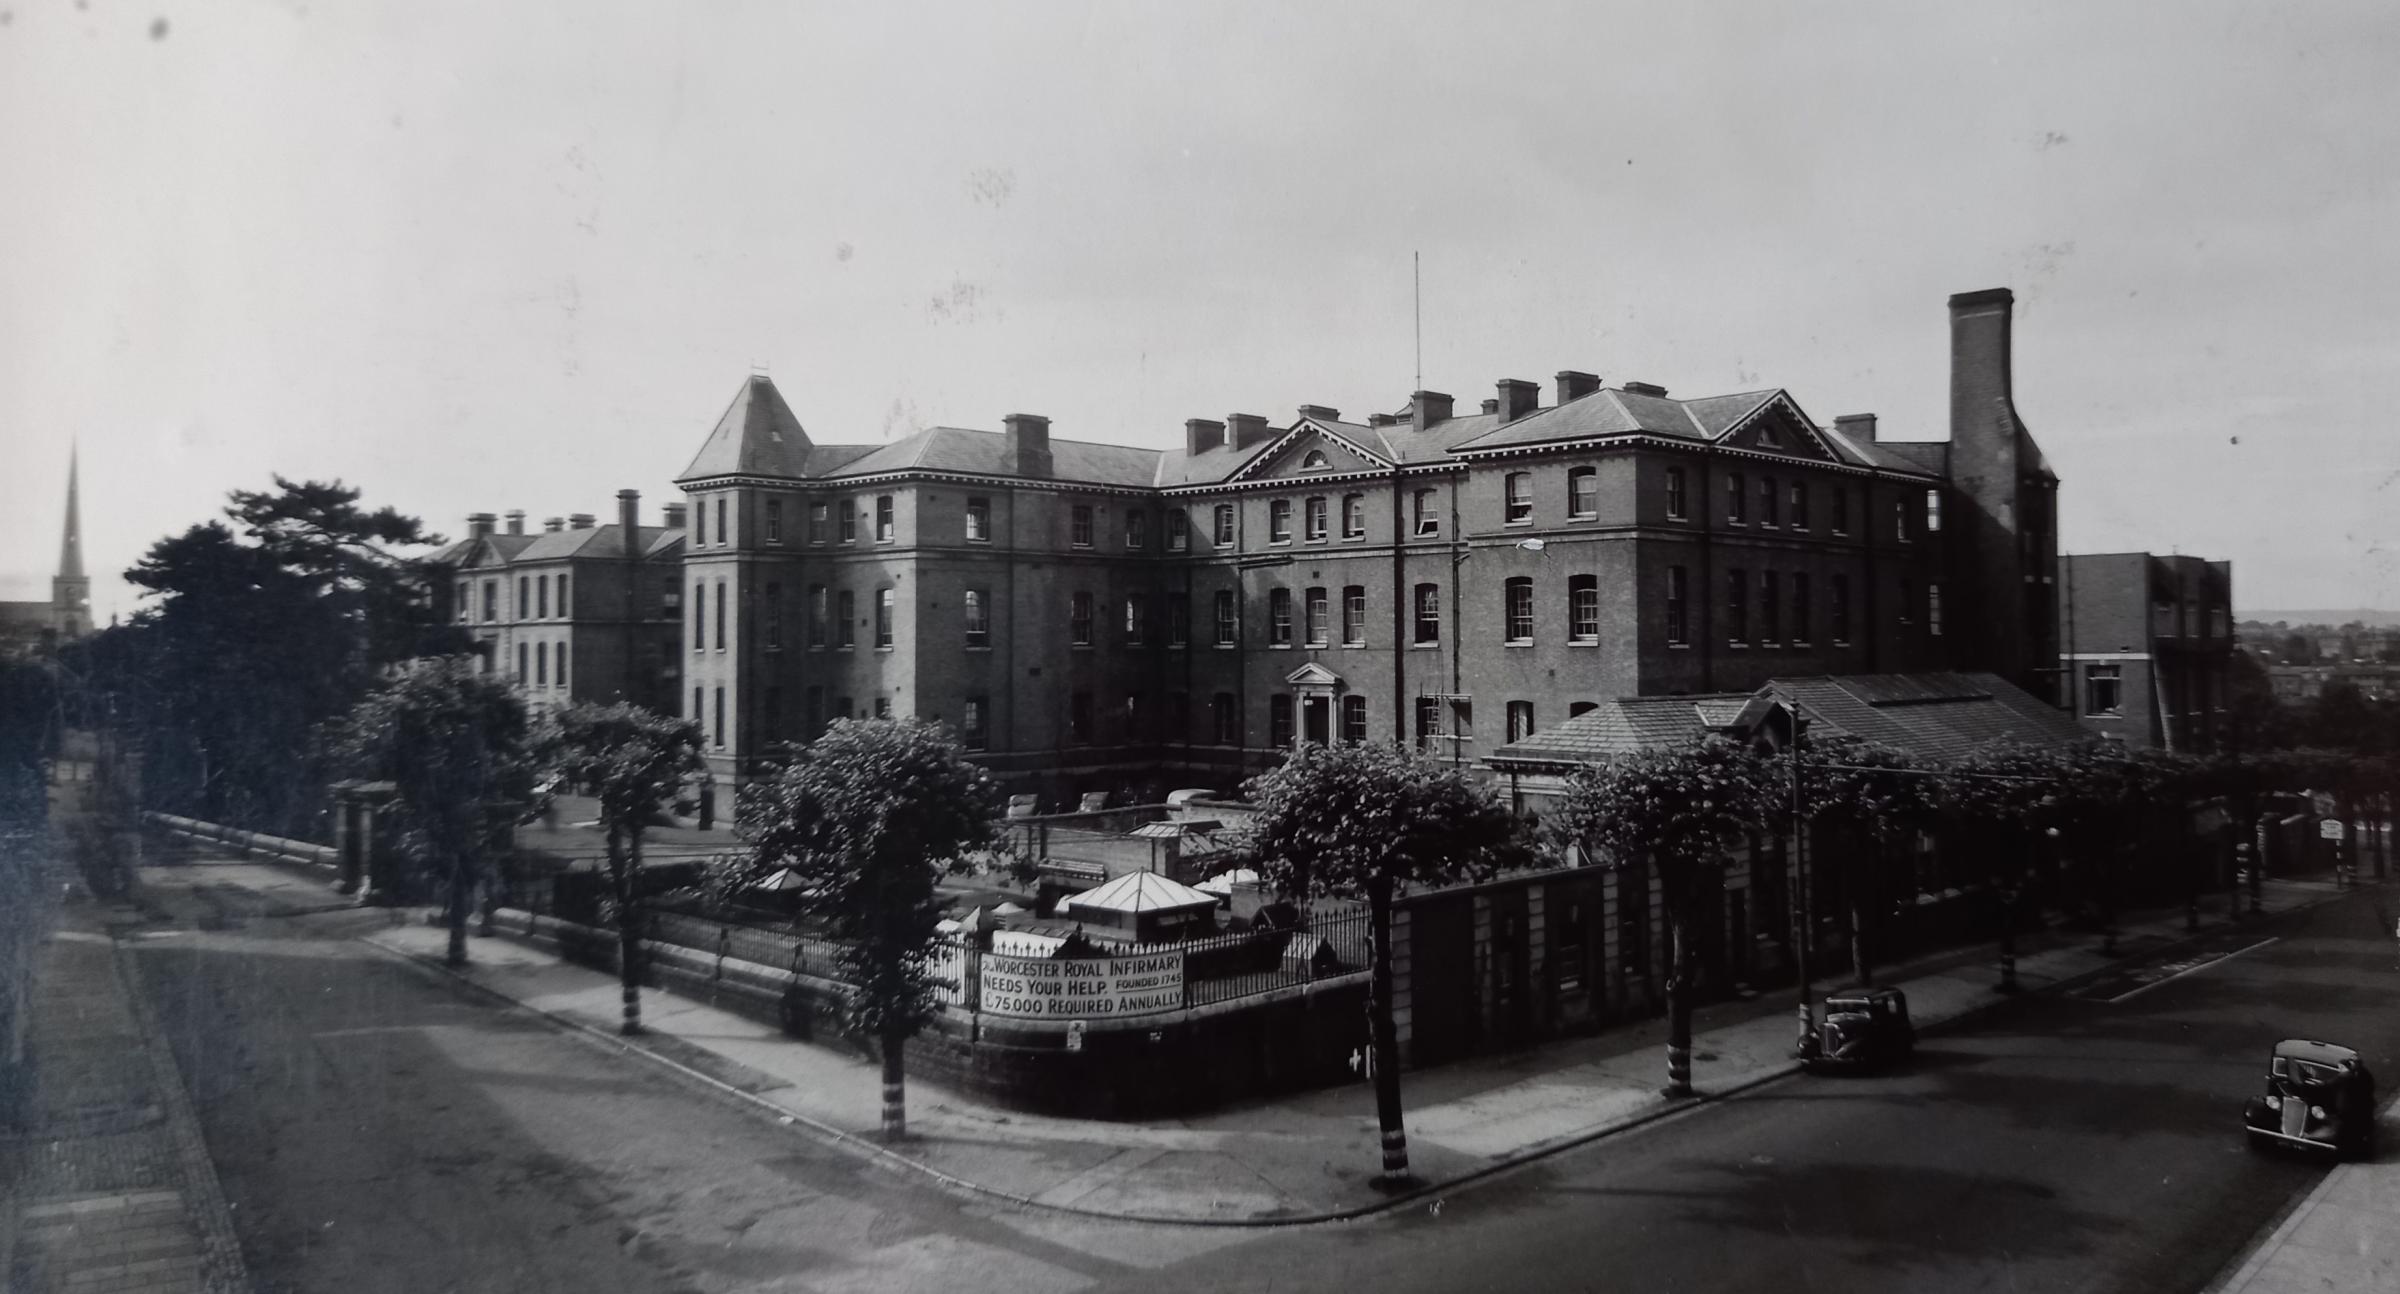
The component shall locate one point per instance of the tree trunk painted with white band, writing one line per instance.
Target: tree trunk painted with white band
(625, 859)
(895, 1095)
(1679, 991)
(1383, 1048)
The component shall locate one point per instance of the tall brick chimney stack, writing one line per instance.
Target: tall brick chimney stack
(2003, 500)
(1245, 429)
(1859, 427)
(480, 524)
(516, 521)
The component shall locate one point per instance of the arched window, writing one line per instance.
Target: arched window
(1314, 460)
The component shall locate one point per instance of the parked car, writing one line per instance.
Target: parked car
(2319, 1097)
(1863, 1028)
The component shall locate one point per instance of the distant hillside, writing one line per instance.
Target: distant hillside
(2371, 619)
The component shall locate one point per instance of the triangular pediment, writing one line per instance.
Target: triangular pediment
(1310, 449)
(1313, 675)
(1777, 426)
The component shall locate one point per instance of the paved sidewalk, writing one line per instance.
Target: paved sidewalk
(1306, 1156)
(110, 1190)
(2344, 1236)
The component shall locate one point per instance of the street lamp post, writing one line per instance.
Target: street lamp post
(1802, 910)
(2258, 868)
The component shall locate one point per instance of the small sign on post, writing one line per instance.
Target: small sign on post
(2330, 829)
(1074, 1035)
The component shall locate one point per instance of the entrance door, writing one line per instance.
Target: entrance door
(1316, 714)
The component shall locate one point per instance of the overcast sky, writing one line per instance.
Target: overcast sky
(480, 257)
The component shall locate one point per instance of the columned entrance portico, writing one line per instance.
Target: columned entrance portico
(1314, 687)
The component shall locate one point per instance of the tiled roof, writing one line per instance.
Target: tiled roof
(1624, 726)
(1933, 716)
(985, 453)
(1208, 467)
(463, 552)
(1707, 419)
(1924, 455)
(598, 542)
(1607, 412)
(757, 436)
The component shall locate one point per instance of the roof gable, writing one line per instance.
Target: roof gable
(1311, 449)
(1774, 425)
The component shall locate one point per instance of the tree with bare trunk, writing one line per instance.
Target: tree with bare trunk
(870, 816)
(632, 761)
(1675, 811)
(1360, 822)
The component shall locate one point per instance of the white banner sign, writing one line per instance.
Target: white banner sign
(1082, 988)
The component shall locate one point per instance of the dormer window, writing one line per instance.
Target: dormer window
(1315, 461)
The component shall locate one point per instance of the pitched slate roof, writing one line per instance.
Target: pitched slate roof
(598, 542)
(463, 552)
(1625, 726)
(757, 436)
(985, 453)
(1933, 717)
(1921, 455)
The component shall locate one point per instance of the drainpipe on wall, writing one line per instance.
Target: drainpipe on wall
(1403, 715)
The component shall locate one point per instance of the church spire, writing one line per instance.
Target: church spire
(70, 551)
(70, 591)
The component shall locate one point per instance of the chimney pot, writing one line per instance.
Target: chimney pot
(1246, 429)
(579, 521)
(1651, 389)
(552, 525)
(480, 524)
(1573, 385)
(1517, 398)
(1202, 434)
(1321, 412)
(629, 516)
(673, 514)
(1491, 405)
(1859, 427)
(1029, 444)
(1426, 408)
(516, 521)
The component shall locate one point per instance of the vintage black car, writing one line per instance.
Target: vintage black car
(2319, 1097)
(1863, 1028)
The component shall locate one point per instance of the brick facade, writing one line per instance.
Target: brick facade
(1423, 574)
(2147, 642)
(567, 612)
